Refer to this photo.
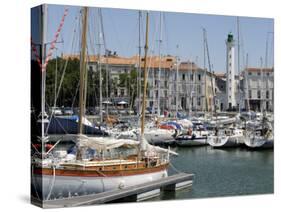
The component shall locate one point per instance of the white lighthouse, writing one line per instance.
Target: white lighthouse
(230, 72)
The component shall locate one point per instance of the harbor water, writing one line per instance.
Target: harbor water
(223, 172)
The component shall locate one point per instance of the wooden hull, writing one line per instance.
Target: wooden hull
(60, 183)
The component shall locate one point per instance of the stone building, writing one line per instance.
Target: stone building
(258, 87)
(185, 87)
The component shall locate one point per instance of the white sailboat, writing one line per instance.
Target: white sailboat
(194, 136)
(259, 139)
(229, 137)
(260, 136)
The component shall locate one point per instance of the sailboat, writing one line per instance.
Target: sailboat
(194, 136)
(107, 168)
(260, 135)
(259, 138)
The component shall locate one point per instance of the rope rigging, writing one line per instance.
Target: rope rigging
(53, 43)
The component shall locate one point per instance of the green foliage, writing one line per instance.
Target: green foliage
(69, 84)
(69, 92)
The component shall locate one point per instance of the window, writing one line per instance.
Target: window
(122, 92)
(249, 73)
(267, 94)
(198, 101)
(183, 76)
(259, 94)
(259, 73)
(166, 84)
(191, 77)
(199, 89)
(250, 94)
(199, 77)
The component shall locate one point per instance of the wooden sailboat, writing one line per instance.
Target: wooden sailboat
(65, 177)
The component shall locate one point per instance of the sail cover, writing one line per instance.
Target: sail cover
(104, 143)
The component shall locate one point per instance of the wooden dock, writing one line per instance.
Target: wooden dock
(129, 194)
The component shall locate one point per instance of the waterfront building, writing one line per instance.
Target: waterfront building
(191, 88)
(258, 87)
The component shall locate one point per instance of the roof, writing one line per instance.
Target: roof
(254, 70)
(188, 66)
(167, 62)
(220, 75)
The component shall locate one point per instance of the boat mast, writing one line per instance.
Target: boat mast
(211, 73)
(145, 80)
(152, 70)
(159, 72)
(177, 76)
(261, 86)
(192, 89)
(247, 85)
(196, 86)
(82, 93)
(43, 74)
(139, 68)
(205, 70)
(100, 71)
(238, 60)
(106, 66)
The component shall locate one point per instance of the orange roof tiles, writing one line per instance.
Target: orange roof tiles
(167, 62)
(259, 69)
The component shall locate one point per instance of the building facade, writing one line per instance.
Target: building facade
(185, 86)
(181, 85)
(258, 87)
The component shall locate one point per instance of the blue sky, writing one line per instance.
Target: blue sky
(182, 29)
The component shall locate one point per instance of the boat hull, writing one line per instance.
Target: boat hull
(224, 141)
(159, 138)
(185, 141)
(259, 142)
(53, 186)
